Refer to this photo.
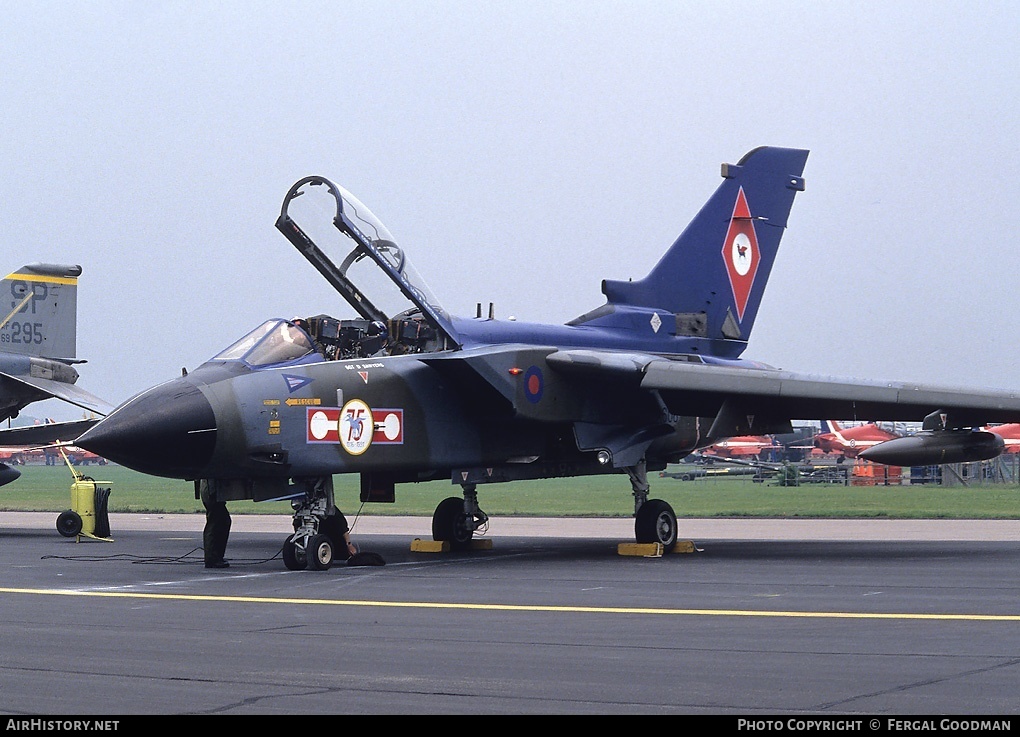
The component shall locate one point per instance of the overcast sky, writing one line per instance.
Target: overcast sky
(521, 152)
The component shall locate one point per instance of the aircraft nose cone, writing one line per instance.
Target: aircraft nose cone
(167, 431)
(8, 474)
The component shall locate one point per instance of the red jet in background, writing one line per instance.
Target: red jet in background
(1010, 435)
(743, 446)
(852, 440)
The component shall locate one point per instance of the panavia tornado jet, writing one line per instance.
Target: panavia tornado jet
(405, 392)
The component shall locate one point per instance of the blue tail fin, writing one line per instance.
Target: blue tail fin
(713, 276)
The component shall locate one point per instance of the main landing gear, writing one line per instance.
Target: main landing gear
(654, 519)
(455, 520)
(318, 530)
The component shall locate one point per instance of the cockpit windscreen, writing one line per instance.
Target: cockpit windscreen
(272, 342)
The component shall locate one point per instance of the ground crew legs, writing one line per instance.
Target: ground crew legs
(217, 525)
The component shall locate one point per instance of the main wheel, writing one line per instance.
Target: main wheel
(450, 523)
(69, 523)
(319, 551)
(655, 522)
(294, 557)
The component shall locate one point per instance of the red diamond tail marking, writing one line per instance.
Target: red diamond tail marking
(740, 253)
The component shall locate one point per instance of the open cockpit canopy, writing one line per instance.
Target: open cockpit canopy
(359, 257)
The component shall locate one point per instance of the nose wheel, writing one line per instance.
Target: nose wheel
(318, 531)
(314, 552)
(319, 552)
(295, 556)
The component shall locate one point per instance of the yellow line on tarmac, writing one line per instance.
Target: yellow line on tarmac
(518, 607)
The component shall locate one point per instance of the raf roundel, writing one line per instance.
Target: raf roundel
(534, 384)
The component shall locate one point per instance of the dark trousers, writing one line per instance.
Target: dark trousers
(217, 529)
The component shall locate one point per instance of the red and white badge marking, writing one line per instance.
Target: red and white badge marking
(356, 426)
(740, 253)
(323, 425)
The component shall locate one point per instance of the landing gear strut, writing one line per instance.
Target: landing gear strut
(455, 520)
(317, 533)
(654, 519)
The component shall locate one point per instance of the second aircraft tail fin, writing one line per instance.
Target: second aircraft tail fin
(39, 311)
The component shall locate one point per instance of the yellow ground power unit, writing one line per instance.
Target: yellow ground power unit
(89, 513)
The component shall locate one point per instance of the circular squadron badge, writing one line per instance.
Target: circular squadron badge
(355, 427)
